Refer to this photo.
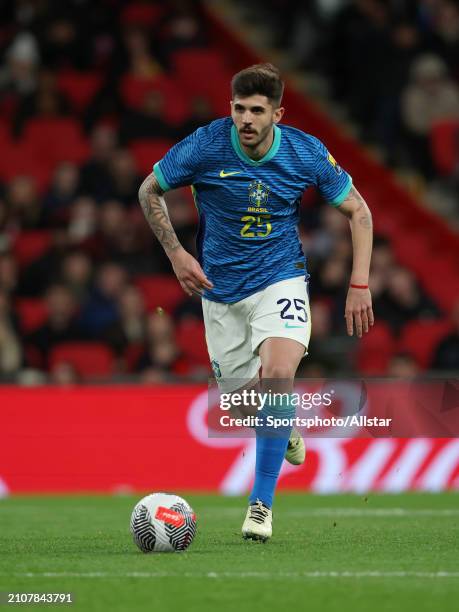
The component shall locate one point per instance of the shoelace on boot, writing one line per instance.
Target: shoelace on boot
(258, 512)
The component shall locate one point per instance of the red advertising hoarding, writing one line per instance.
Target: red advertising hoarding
(106, 439)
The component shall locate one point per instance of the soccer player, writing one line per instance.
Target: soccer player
(248, 173)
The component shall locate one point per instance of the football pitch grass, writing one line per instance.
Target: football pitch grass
(331, 553)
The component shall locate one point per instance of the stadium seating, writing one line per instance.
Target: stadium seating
(444, 139)
(90, 359)
(147, 152)
(146, 15)
(191, 340)
(56, 140)
(375, 350)
(31, 245)
(133, 90)
(160, 291)
(32, 313)
(419, 338)
(132, 355)
(23, 159)
(79, 87)
(185, 69)
(215, 85)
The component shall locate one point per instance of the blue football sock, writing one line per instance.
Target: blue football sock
(271, 445)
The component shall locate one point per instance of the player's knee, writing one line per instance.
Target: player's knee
(278, 371)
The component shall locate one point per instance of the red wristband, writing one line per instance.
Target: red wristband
(358, 286)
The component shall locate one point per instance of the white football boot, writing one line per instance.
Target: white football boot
(296, 449)
(258, 522)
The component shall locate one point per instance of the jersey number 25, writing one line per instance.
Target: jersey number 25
(262, 227)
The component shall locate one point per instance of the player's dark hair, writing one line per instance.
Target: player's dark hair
(261, 79)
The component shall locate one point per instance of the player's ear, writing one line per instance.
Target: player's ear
(278, 114)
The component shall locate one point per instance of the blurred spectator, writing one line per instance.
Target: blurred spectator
(63, 190)
(189, 308)
(363, 48)
(4, 226)
(446, 34)
(406, 42)
(24, 203)
(101, 310)
(331, 228)
(402, 365)
(10, 346)
(113, 221)
(182, 217)
(404, 301)
(329, 352)
(65, 45)
(82, 220)
(36, 277)
(18, 76)
(430, 96)
(122, 237)
(64, 374)
(147, 122)
(130, 327)
(61, 324)
(76, 274)
(382, 264)
(9, 275)
(332, 276)
(446, 354)
(45, 101)
(183, 30)
(140, 61)
(94, 174)
(378, 285)
(200, 114)
(162, 354)
(124, 180)
(382, 257)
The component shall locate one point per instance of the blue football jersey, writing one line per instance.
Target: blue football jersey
(249, 210)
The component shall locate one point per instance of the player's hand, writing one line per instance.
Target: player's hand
(359, 311)
(189, 273)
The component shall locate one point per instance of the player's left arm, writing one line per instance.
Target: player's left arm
(359, 310)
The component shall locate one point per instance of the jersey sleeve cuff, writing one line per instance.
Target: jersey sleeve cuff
(343, 194)
(160, 177)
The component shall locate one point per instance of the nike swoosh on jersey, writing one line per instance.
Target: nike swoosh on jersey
(288, 326)
(224, 174)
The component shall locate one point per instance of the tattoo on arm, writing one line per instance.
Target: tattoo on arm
(155, 211)
(358, 208)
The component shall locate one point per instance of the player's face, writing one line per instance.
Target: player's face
(254, 118)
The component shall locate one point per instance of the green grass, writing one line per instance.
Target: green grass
(86, 542)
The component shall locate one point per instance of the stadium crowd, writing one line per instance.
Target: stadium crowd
(88, 96)
(393, 64)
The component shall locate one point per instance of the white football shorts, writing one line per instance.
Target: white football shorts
(234, 332)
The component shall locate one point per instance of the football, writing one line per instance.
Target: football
(162, 522)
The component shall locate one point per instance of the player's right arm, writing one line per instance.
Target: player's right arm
(187, 269)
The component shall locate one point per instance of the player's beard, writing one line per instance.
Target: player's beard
(257, 137)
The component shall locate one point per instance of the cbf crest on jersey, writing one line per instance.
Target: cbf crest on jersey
(258, 193)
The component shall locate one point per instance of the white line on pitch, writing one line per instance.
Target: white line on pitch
(343, 512)
(261, 575)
